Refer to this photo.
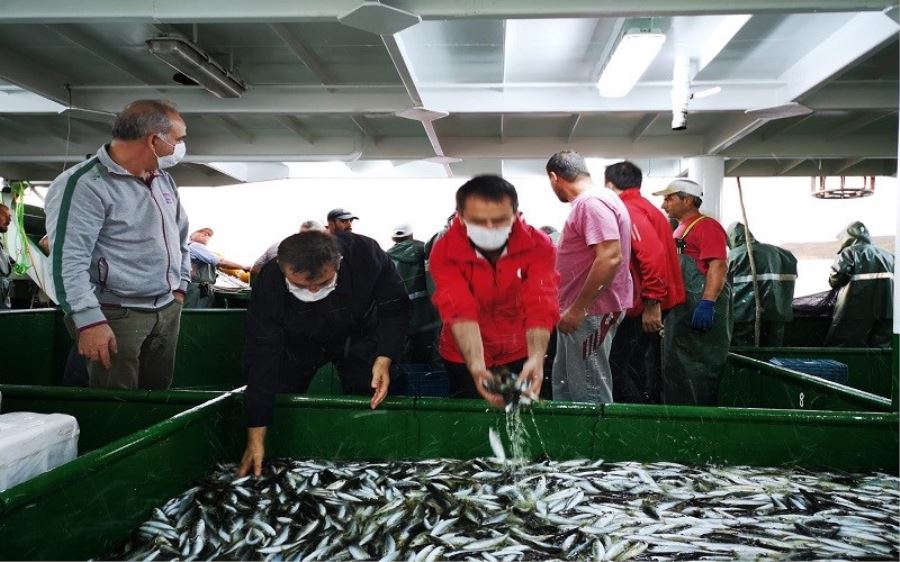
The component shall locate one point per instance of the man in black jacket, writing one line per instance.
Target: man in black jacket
(327, 298)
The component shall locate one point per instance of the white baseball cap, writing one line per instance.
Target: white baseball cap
(682, 185)
(402, 230)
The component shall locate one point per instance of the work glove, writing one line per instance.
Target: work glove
(704, 315)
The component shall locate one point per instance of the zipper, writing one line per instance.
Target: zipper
(162, 219)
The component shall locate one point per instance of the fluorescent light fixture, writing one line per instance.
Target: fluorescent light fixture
(422, 114)
(190, 60)
(379, 18)
(721, 36)
(635, 52)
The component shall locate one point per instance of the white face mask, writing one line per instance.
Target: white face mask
(306, 295)
(171, 159)
(488, 238)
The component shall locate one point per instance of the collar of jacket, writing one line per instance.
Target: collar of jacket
(520, 240)
(114, 168)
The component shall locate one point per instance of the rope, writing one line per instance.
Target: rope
(747, 238)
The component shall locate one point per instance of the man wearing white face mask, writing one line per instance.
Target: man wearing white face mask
(495, 289)
(118, 248)
(326, 299)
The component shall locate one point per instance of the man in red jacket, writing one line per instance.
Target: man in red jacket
(658, 287)
(496, 290)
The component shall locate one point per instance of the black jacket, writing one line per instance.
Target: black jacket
(369, 302)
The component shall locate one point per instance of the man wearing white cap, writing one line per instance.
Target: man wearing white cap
(697, 332)
(409, 258)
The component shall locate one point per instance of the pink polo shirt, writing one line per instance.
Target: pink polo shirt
(597, 215)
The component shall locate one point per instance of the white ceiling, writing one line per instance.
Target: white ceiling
(516, 78)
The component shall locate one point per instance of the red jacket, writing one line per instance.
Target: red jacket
(654, 264)
(518, 295)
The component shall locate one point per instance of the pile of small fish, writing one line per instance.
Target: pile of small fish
(483, 509)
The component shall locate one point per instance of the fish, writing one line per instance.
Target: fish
(494, 509)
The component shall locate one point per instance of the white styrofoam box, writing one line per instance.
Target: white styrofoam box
(31, 444)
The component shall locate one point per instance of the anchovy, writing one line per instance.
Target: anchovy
(511, 511)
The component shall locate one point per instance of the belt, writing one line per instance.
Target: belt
(766, 277)
(868, 276)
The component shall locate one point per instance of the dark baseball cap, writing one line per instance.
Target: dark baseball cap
(341, 214)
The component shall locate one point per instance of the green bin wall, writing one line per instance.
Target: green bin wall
(99, 498)
(869, 369)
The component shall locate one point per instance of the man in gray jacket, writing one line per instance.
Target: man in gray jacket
(118, 248)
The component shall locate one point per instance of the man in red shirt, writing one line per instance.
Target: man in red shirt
(495, 289)
(697, 332)
(658, 287)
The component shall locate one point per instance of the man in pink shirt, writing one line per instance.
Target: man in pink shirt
(595, 286)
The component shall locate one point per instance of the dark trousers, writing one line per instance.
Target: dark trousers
(353, 364)
(461, 383)
(636, 363)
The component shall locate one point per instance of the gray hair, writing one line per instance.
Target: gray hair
(311, 225)
(569, 165)
(687, 196)
(142, 118)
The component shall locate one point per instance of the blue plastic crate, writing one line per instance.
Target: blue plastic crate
(422, 379)
(827, 369)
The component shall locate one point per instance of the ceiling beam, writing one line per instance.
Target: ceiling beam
(734, 130)
(862, 34)
(734, 164)
(781, 126)
(857, 123)
(468, 98)
(303, 52)
(84, 38)
(397, 52)
(235, 128)
(211, 11)
(363, 126)
(844, 165)
(816, 146)
(790, 165)
(643, 126)
(20, 70)
(576, 119)
(295, 126)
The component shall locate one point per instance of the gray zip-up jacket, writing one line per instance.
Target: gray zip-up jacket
(114, 240)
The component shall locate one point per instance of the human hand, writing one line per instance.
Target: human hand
(704, 314)
(571, 319)
(651, 318)
(254, 452)
(381, 380)
(179, 296)
(483, 378)
(98, 343)
(533, 373)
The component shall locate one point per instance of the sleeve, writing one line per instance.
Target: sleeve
(598, 222)
(183, 227)
(201, 253)
(651, 258)
(841, 269)
(267, 256)
(74, 216)
(712, 241)
(452, 296)
(394, 307)
(540, 289)
(263, 346)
